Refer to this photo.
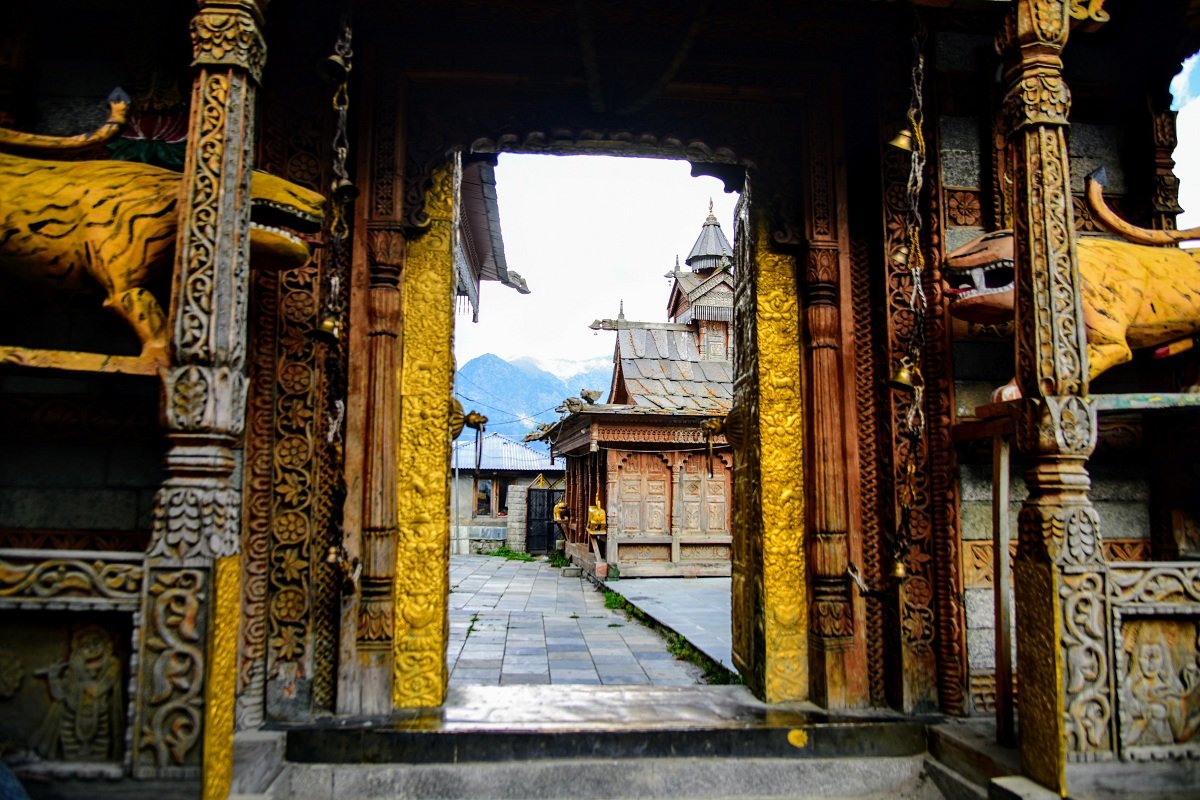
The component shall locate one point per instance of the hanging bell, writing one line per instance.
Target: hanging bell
(903, 140)
(900, 256)
(899, 571)
(329, 331)
(334, 70)
(344, 191)
(903, 379)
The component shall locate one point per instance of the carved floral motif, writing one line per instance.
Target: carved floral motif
(59, 578)
(229, 37)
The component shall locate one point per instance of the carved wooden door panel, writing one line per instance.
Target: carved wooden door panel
(704, 501)
(644, 496)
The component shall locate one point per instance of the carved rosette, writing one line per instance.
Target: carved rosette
(423, 450)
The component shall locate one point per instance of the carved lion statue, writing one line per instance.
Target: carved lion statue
(1136, 293)
(112, 224)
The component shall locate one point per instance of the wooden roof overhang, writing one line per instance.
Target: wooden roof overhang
(630, 427)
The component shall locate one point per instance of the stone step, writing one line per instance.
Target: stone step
(964, 758)
(890, 778)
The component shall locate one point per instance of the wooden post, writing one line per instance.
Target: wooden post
(1061, 631)
(190, 612)
(1001, 591)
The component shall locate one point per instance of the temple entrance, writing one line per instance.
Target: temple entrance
(594, 299)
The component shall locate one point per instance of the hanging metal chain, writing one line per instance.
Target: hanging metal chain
(342, 194)
(914, 418)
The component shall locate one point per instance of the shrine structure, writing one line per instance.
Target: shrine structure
(652, 457)
(224, 484)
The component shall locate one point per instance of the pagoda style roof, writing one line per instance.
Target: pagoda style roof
(710, 247)
(661, 369)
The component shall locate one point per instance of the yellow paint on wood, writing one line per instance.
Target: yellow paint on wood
(423, 453)
(221, 684)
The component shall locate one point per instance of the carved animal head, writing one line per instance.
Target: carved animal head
(979, 279)
(281, 214)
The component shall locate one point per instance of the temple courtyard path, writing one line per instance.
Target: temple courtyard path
(517, 622)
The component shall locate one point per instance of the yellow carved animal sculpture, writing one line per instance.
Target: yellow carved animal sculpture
(1135, 294)
(68, 224)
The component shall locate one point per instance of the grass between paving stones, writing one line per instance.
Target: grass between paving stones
(511, 555)
(677, 645)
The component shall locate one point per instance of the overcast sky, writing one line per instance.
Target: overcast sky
(587, 232)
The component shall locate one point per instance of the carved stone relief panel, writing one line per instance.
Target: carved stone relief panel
(1158, 672)
(64, 690)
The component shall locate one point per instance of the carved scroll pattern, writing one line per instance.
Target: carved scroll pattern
(62, 578)
(172, 672)
(1165, 201)
(943, 478)
(422, 573)
(1087, 705)
(866, 383)
(781, 465)
(256, 494)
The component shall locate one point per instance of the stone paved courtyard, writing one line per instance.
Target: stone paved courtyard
(516, 622)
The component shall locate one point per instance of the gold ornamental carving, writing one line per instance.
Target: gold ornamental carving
(781, 448)
(423, 450)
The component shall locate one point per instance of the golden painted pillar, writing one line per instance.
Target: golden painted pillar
(189, 621)
(766, 426)
(1061, 617)
(422, 572)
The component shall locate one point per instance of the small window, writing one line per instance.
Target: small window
(483, 498)
(501, 498)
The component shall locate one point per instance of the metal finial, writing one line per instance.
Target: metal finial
(621, 313)
(710, 205)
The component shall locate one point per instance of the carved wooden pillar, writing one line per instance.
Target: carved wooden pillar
(367, 686)
(188, 642)
(422, 577)
(770, 593)
(838, 657)
(1061, 614)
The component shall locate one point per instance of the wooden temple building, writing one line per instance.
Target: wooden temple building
(224, 494)
(644, 456)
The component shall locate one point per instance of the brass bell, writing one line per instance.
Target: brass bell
(902, 140)
(333, 70)
(903, 379)
(329, 331)
(332, 555)
(899, 571)
(344, 191)
(900, 256)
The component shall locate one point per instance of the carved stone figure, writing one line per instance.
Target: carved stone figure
(86, 720)
(1160, 697)
(79, 225)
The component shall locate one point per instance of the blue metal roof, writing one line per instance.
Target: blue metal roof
(500, 454)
